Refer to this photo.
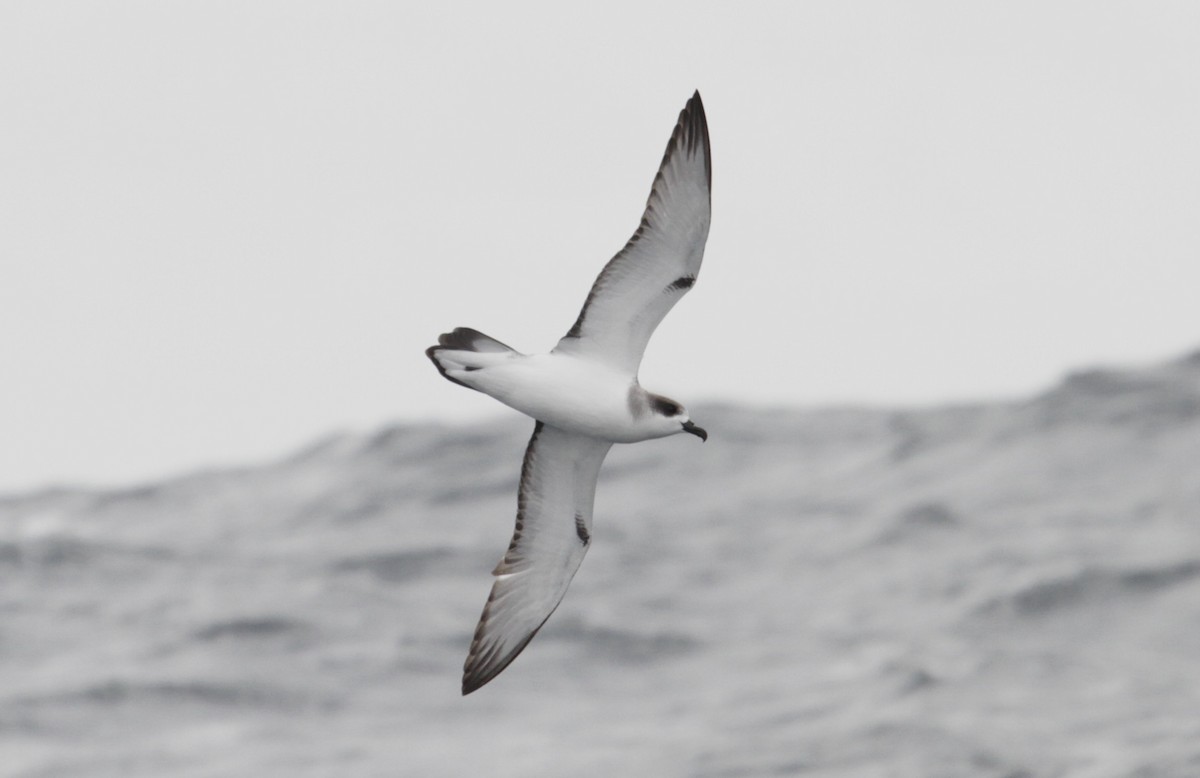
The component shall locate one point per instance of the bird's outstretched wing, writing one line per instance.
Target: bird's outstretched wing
(554, 521)
(660, 262)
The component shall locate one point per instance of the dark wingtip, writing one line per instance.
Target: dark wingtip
(692, 132)
(475, 676)
(480, 672)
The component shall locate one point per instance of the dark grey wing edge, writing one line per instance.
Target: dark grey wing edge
(479, 669)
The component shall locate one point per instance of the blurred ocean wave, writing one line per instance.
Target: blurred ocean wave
(1007, 590)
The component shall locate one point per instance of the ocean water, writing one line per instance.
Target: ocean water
(1008, 591)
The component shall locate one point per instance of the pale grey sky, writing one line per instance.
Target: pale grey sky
(230, 227)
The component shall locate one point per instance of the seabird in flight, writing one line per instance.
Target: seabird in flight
(584, 396)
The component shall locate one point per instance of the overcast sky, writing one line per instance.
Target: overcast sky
(227, 228)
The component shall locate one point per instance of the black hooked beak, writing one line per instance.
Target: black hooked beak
(699, 432)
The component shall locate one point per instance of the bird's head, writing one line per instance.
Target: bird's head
(674, 417)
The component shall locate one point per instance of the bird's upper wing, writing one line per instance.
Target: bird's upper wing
(554, 520)
(660, 262)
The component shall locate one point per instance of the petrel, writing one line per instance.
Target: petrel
(584, 396)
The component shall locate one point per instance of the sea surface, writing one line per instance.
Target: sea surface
(1006, 590)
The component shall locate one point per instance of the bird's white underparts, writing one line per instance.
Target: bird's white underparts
(584, 396)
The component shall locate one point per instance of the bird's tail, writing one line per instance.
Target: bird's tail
(464, 351)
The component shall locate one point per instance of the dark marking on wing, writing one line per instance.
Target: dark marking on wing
(682, 283)
(581, 530)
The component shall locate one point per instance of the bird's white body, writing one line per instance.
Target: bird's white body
(573, 394)
(584, 396)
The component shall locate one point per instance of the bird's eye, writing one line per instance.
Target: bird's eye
(666, 407)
